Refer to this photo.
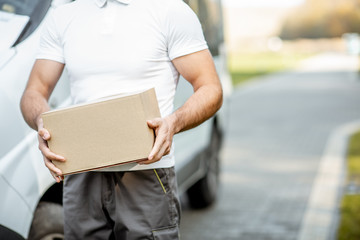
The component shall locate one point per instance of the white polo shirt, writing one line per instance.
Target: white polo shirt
(122, 46)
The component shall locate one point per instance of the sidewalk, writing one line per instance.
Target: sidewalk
(278, 132)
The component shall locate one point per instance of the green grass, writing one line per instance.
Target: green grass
(349, 227)
(245, 66)
(350, 218)
(354, 159)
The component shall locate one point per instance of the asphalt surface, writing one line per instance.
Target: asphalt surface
(278, 130)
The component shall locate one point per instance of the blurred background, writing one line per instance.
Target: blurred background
(290, 161)
(266, 36)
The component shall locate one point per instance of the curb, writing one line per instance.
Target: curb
(320, 221)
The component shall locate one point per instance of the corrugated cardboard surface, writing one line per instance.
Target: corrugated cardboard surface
(104, 133)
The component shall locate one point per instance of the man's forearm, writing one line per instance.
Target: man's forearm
(32, 105)
(199, 70)
(42, 81)
(203, 104)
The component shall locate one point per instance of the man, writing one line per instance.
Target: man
(121, 46)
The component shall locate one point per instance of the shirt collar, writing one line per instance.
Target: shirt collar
(101, 3)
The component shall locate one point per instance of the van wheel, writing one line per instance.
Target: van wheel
(48, 222)
(204, 192)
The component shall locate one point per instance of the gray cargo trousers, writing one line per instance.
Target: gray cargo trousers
(121, 205)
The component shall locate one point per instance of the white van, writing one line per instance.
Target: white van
(30, 202)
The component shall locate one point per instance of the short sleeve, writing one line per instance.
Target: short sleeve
(184, 32)
(50, 46)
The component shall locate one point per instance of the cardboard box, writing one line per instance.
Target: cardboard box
(103, 133)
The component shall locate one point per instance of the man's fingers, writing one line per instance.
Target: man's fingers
(162, 152)
(159, 141)
(154, 123)
(50, 165)
(50, 155)
(44, 134)
(157, 153)
(43, 146)
(56, 177)
(163, 140)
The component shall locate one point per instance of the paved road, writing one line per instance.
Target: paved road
(278, 130)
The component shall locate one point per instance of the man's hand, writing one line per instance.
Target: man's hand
(42, 81)
(199, 70)
(164, 132)
(49, 157)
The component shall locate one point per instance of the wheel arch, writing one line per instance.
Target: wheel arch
(53, 194)
(47, 222)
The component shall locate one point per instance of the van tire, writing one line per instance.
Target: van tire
(204, 192)
(6, 233)
(48, 222)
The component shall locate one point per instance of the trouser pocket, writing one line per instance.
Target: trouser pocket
(162, 178)
(167, 233)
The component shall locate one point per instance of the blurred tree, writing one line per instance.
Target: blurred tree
(323, 19)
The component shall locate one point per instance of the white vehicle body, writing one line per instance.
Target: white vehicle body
(24, 179)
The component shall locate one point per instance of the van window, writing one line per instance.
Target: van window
(21, 7)
(35, 9)
(210, 16)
